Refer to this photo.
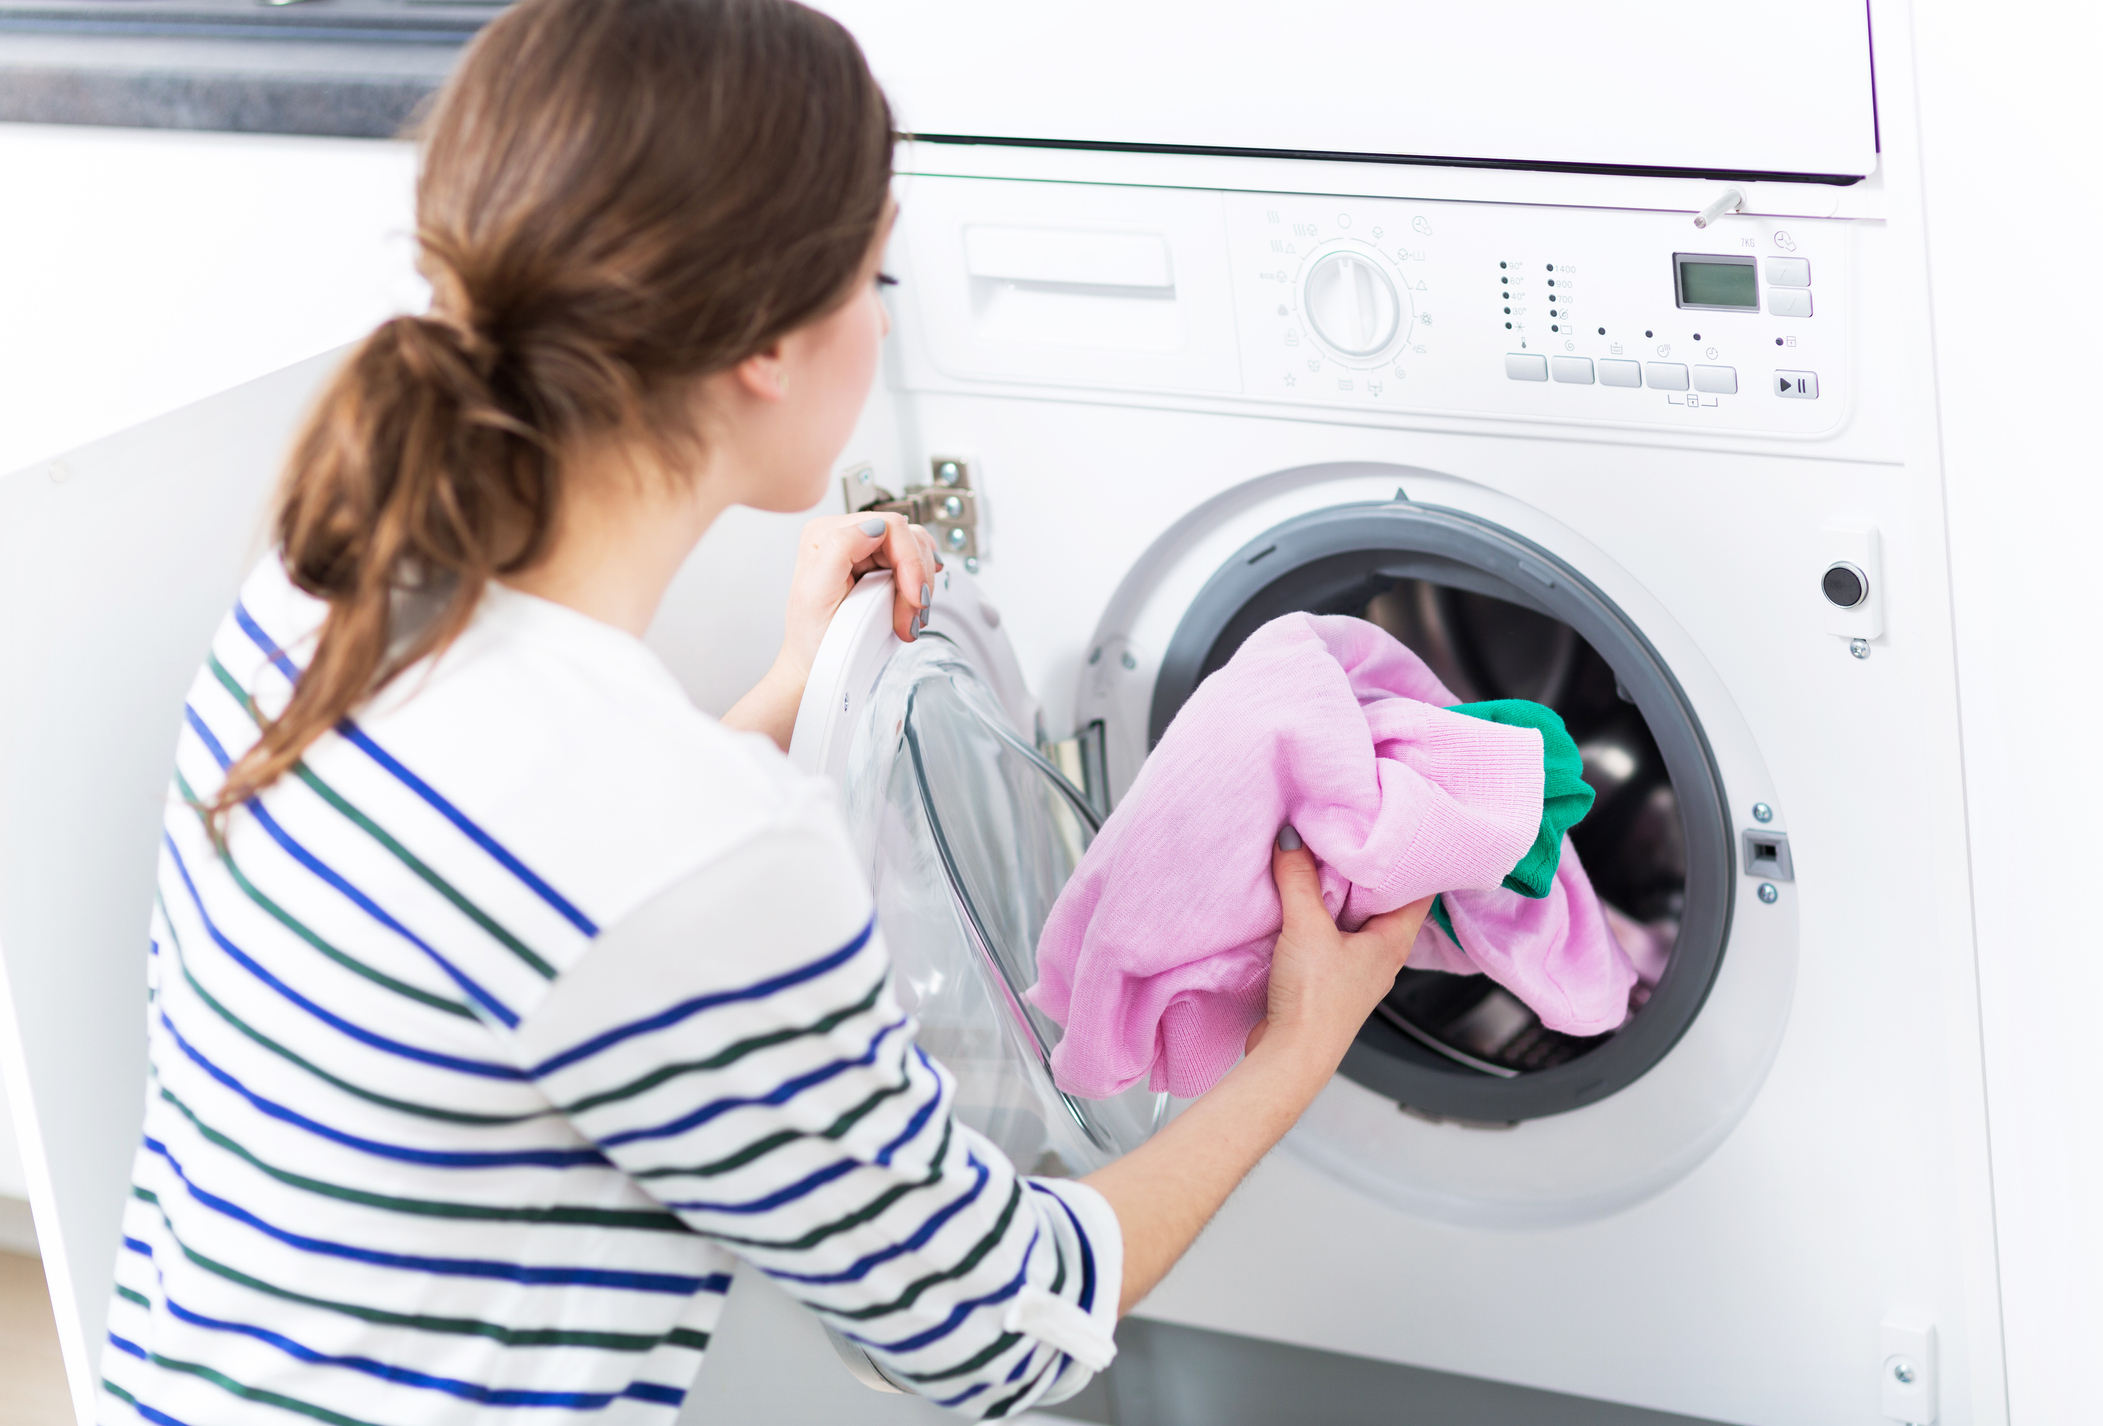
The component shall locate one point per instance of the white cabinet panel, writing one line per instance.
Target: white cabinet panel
(1784, 88)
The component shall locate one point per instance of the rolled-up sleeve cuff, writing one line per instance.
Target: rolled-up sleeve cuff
(1081, 1319)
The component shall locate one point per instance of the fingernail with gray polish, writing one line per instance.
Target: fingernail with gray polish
(873, 526)
(923, 618)
(1288, 839)
(927, 596)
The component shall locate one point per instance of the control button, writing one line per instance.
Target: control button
(1718, 380)
(1788, 302)
(1845, 585)
(1664, 376)
(1572, 369)
(1788, 272)
(1525, 366)
(1620, 373)
(1802, 385)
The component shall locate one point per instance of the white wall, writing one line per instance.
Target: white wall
(142, 270)
(2009, 128)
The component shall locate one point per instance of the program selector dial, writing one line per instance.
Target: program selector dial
(1352, 305)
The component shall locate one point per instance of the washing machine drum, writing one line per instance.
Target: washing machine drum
(967, 833)
(1496, 616)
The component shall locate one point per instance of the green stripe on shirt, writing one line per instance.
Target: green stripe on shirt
(234, 1388)
(403, 1106)
(654, 1220)
(379, 834)
(730, 1054)
(453, 1326)
(300, 929)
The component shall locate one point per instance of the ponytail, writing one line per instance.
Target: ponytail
(410, 475)
(617, 198)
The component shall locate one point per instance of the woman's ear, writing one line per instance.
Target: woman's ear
(764, 374)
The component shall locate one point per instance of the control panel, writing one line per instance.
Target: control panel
(1593, 315)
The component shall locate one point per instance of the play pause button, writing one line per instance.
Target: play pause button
(1802, 385)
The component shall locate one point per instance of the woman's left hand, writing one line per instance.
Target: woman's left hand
(834, 552)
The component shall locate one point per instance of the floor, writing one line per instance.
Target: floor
(32, 1382)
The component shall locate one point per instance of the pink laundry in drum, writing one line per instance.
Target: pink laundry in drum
(1156, 957)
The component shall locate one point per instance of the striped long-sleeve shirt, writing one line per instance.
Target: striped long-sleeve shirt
(510, 1023)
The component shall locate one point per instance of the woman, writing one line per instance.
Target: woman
(503, 1003)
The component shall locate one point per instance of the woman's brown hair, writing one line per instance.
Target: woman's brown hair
(617, 197)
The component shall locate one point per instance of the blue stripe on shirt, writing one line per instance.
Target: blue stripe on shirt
(486, 1069)
(961, 1397)
(958, 1313)
(920, 1116)
(919, 1239)
(695, 1006)
(808, 1183)
(524, 1274)
(816, 1179)
(429, 794)
(151, 1413)
(212, 744)
(358, 898)
(639, 1391)
(404, 1376)
(477, 1159)
(263, 641)
(1087, 1300)
(779, 1095)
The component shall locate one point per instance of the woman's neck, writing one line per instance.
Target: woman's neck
(625, 528)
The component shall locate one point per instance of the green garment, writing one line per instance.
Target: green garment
(1565, 796)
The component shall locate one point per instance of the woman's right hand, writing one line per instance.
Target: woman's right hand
(1325, 982)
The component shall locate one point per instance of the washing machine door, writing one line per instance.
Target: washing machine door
(1507, 1124)
(967, 833)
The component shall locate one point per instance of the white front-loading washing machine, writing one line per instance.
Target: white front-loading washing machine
(1172, 426)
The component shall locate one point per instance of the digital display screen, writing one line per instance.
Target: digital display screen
(1719, 283)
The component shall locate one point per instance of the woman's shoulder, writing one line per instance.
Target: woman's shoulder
(567, 744)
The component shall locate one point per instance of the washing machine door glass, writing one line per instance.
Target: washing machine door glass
(969, 835)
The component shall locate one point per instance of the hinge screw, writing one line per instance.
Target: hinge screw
(948, 473)
(1904, 1373)
(1858, 647)
(1769, 893)
(959, 537)
(952, 507)
(971, 564)
(1762, 812)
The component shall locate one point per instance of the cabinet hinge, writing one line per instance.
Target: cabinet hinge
(946, 505)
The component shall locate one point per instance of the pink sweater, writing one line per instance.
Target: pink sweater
(1156, 958)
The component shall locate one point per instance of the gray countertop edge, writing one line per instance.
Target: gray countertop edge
(342, 89)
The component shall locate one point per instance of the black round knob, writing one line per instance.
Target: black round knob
(1845, 585)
